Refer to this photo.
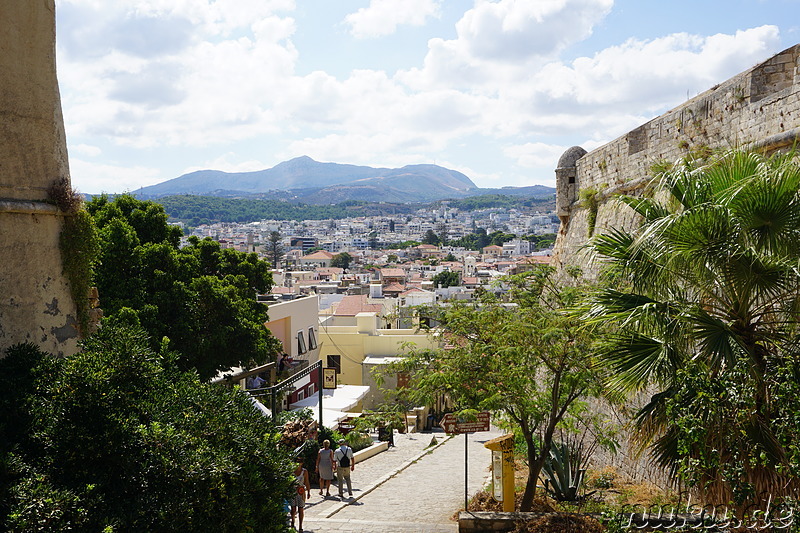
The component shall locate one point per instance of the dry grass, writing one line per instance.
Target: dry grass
(612, 489)
(561, 523)
(64, 196)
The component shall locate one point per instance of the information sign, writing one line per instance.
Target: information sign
(329, 378)
(454, 425)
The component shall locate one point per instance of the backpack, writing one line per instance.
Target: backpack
(345, 461)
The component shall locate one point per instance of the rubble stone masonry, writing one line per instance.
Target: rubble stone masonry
(758, 109)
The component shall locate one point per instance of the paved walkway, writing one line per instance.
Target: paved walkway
(413, 487)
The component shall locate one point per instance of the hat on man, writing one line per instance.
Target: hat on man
(342, 441)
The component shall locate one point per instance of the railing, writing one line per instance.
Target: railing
(274, 390)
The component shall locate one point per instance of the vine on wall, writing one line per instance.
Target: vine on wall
(589, 201)
(79, 245)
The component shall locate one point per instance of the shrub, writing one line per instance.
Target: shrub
(116, 438)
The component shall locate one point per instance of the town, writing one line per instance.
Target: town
(620, 355)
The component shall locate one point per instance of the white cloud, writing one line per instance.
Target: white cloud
(499, 42)
(514, 30)
(230, 74)
(86, 149)
(382, 17)
(96, 178)
(228, 162)
(648, 75)
(535, 154)
(207, 90)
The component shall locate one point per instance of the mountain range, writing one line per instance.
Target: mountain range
(304, 180)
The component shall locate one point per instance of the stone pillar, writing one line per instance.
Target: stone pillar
(35, 302)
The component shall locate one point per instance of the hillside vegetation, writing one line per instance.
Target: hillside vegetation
(196, 210)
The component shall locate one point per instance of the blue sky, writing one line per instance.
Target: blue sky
(153, 89)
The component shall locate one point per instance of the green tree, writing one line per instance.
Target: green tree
(372, 240)
(529, 363)
(274, 248)
(200, 297)
(342, 260)
(446, 279)
(499, 238)
(116, 438)
(430, 237)
(706, 301)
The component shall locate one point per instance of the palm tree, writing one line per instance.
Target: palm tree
(705, 300)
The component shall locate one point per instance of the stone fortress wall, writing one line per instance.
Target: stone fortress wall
(35, 301)
(759, 108)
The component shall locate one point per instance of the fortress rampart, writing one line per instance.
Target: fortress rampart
(35, 301)
(759, 108)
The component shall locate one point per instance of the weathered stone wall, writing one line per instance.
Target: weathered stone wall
(35, 303)
(759, 108)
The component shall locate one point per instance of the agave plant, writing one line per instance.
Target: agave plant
(564, 475)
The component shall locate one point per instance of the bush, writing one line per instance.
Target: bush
(115, 438)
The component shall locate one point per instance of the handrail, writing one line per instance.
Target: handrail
(273, 390)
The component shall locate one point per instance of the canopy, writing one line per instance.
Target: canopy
(335, 403)
(341, 398)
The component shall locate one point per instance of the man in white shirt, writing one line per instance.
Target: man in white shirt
(345, 463)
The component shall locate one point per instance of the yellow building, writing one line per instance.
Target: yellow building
(358, 346)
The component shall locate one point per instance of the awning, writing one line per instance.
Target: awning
(335, 403)
(261, 407)
(341, 398)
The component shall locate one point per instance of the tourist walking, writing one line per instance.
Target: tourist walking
(303, 487)
(345, 463)
(324, 467)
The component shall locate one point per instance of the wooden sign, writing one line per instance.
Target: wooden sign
(329, 378)
(453, 425)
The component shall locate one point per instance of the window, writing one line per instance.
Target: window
(312, 339)
(301, 395)
(335, 361)
(301, 343)
(310, 390)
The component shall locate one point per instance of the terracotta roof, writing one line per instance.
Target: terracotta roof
(354, 304)
(393, 273)
(414, 290)
(394, 287)
(536, 259)
(281, 290)
(492, 247)
(319, 254)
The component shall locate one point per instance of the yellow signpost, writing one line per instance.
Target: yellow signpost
(503, 470)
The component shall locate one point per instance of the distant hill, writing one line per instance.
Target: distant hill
(195, 210)
(307, 181)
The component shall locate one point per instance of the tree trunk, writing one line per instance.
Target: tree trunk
(535, 463)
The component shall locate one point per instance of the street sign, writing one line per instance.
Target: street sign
(453, 425)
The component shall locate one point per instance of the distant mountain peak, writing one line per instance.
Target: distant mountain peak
(311, 181)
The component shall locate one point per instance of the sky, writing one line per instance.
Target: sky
(496, 89)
